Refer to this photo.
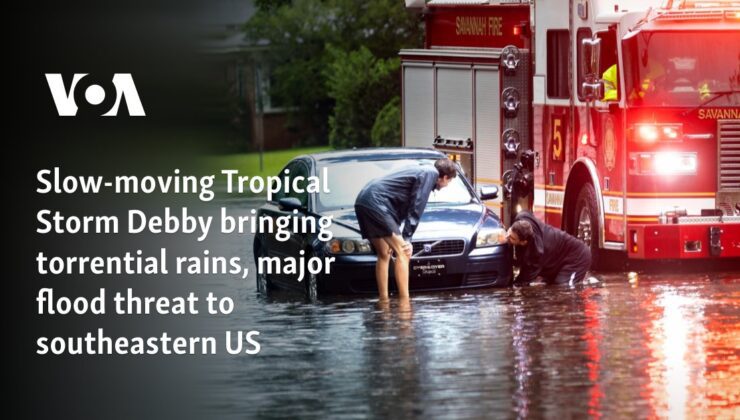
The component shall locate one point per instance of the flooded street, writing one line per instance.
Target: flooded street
(665, 345)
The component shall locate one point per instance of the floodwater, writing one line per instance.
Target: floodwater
(655, 345)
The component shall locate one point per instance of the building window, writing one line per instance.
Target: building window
(583, 33)
(264, 80)
(240, 81)
(558, 53)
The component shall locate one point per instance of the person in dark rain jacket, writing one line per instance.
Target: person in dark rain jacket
(387, 202)
(547, 252)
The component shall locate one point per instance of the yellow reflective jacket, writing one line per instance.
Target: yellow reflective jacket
(610, 83)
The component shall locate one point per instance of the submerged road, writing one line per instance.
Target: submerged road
(661, 344)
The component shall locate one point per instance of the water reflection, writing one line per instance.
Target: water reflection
(666, 346)
(695, 348)
(659, 350)
(393, 370)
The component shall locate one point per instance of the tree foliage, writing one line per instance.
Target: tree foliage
(360, 85)
(387, 127)
(313, 46)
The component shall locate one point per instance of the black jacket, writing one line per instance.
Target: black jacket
(549, 251)
(403, 195)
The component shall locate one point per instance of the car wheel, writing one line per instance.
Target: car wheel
(312, 288)
(585, 224)
(263, 280)
(506, 279)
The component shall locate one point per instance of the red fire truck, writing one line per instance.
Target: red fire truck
(617, 121)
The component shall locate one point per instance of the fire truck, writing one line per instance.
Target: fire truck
(616, 121)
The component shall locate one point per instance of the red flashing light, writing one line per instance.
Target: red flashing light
(651, 133)
(648, 133)
(517, 30)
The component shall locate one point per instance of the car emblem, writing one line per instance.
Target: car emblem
(427, 248)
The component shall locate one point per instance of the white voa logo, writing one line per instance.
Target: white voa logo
(95, 96)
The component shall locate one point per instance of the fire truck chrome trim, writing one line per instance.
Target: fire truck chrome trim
(494, 53)
(614, 246)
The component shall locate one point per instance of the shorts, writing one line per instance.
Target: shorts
(375, 224)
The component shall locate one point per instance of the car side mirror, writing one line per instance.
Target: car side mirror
(290, 204)
(488, 192)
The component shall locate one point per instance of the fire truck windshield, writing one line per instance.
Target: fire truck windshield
(682, 69)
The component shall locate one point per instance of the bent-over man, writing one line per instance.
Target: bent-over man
(387, 202)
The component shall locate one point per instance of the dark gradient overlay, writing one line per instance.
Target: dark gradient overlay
(156, 43)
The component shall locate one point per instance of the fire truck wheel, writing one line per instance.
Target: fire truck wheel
(585, 224)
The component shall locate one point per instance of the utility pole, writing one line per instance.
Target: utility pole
(260, 114)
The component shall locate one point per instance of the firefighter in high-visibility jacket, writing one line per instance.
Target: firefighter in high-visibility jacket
(704, 91)
(654, 72)
(610, 83)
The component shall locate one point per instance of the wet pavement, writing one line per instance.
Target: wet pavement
(656, 344)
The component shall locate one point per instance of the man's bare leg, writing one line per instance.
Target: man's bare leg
(381, 267)
(403, 257)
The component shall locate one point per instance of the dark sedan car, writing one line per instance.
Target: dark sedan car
(455, 246)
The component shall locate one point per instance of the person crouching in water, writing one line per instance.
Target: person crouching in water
(545, 251)
(386, 202)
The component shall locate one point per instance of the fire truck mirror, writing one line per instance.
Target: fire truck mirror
(593, 91)
(591, 51)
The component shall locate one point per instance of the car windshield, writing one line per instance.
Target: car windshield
(346, 179)
(684, 69)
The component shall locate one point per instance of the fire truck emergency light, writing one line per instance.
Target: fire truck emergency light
(650, 133)
(672, 163)
(664, 163)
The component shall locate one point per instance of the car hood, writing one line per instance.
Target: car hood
(457, 221)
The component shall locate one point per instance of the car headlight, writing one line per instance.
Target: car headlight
(349, 246)
(490, 237)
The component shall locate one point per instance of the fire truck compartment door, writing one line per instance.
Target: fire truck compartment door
(418, 104)
(455, 102)
(487, 127)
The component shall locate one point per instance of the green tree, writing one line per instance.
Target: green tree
(360, 85)
(309, 42)
(387, 128)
